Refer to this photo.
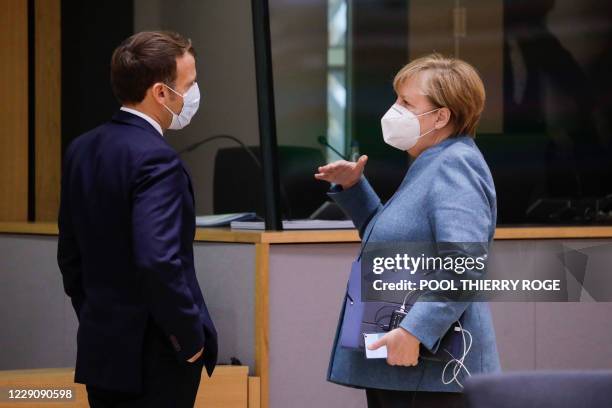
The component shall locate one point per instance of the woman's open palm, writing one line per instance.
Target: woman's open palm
(342, 172)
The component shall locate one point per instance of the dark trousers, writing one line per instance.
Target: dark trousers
(413, 399)
(167, 382)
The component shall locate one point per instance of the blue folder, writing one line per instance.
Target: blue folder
(369, 317)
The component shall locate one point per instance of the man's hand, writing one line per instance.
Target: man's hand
(342, 172)
(402, 347)
(196, 356)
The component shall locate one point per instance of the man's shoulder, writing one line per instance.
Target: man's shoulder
(116, 137)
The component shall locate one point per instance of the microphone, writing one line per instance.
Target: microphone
(199, 143)
(323, 141)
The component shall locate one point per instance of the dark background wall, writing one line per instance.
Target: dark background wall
(90, 33)
(379, 50)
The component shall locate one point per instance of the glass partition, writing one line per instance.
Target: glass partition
(545, 132)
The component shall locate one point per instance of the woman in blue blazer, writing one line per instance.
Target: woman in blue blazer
(447, 195)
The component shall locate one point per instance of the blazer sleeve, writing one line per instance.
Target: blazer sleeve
(460, 216)
(68, 253)
(157, 211)
(360, 202)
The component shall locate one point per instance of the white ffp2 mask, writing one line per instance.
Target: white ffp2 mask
(191, 103)
(401, 128)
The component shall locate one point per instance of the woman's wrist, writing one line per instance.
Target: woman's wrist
(346, 186)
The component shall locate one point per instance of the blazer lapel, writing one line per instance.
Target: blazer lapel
(130, 119)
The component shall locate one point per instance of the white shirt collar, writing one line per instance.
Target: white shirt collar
(146, 117)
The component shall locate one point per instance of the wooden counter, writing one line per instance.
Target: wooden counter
(36, 228)
(323, 236)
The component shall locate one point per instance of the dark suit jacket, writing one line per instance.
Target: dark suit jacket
(126, 230)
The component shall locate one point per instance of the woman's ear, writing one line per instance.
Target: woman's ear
(444, 117)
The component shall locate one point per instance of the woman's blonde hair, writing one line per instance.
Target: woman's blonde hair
(450, 83)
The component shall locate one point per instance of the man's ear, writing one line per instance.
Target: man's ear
(158, 91)
(444, 117)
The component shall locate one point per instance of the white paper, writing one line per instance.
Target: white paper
(371, 338)
(297, 224)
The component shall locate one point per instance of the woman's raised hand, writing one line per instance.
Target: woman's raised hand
(342, 172)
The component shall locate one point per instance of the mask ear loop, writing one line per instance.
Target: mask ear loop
(425, 113)
(170, 88)
(169, 110)
(166, 106)
(428, 132)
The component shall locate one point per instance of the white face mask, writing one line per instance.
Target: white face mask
(401, 128)
(191, 103)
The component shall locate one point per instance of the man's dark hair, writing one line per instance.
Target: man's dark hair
(144, 59)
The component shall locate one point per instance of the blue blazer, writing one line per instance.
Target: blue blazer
(447, 195)
(125, 251)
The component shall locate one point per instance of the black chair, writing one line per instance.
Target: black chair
(540, 389)
(238, 186)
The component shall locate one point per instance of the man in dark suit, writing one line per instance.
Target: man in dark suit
(127, 224)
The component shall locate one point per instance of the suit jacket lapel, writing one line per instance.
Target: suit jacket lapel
(130, 119)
